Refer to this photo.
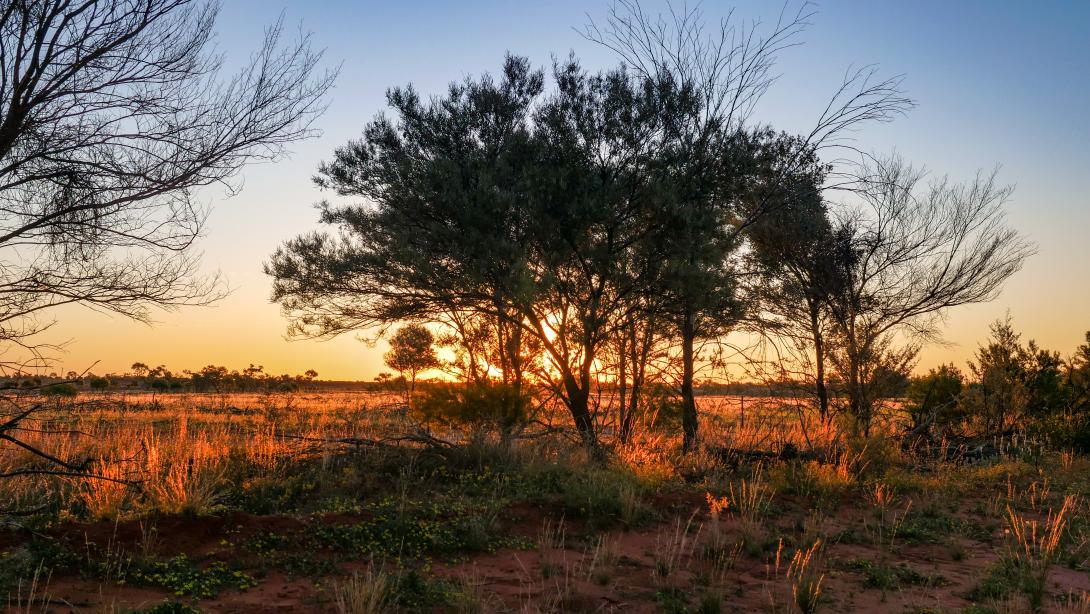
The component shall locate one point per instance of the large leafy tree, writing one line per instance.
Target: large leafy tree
(493, 201)
(706, 145)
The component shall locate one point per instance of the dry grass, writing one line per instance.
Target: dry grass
(801, 579)
(367, 593)
(750, 498)
(673, 549)
(805, 575)
(1035, 543)
(194, 454)
(176, 447)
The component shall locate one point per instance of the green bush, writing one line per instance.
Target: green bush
(666, 412)
(1070, 432)
(98, 383)
(486, 405)
(183, 578)
(935, 398)
(60, 390)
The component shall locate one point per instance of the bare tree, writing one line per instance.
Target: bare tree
(913, 251)
(114, 113)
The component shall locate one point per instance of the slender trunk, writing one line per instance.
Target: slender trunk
(688, 400)
(515, 359)
(576, 385)
(502, 347)
(639, 351)
(622, 388)
(819, 363)
(859, 405)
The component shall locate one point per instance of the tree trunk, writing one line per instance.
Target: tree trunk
(622, 388)
(688, 368)
(858, 405)
(515, 358)
(819, 363)
(579, 405)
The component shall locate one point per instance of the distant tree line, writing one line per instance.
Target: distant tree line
(619, 226)
(211, 378)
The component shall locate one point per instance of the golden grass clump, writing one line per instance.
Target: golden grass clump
(367, 593)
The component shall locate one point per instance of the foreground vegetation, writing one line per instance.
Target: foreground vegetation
(337, 502)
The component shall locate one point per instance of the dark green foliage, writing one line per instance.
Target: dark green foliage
(673, 600)
(523, 212)
(1003, 579)
(1064, 431)
(1016, 385)
(932, 401)
(936, 528)
(60, 390)
(412, 531)
(1008, 576)
(416, 591)
(170, 607)
(887, 577)
(490, 405)
(184, 578)
(411, 352)
(710, 603)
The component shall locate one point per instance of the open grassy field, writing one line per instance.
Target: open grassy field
(335, 502)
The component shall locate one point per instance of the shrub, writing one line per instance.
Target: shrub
(364, 594)
(98, 383)
(666, 414)
(60, 390)
(932, 400)
(1070, 432)
(489, 405)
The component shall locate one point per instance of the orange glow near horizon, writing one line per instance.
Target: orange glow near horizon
(1035, 131)
(244, 328)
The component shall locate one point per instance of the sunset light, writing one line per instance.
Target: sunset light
(608, 306)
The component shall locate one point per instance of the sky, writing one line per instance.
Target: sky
(996, 83)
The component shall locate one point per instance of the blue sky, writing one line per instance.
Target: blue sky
(995, 82)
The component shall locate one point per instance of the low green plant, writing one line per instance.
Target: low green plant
(185, 579)
(412, 531)
(170, 607)
(887, 577)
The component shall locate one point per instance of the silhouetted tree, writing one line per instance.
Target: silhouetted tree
(914, 252)
(484, 205)
(793, 251)
(720, 74)
(113, 114)
(1078, 377)
(411, 353)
